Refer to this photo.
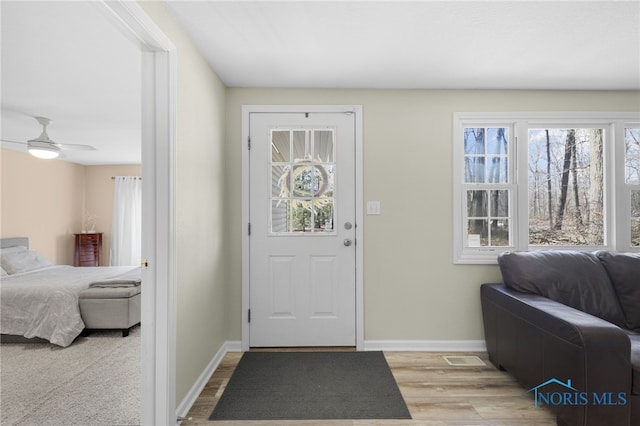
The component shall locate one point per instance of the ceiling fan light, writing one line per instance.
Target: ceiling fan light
(43, 150)
(45, 154)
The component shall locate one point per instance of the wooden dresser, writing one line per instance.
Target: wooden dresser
(88, 250)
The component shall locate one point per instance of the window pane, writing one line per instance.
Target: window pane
(280, 216)
(477, 204)
(301, 215)
(474, 141)
(635, 233)
(632, 155)
(565, 186)
(323, 146)
(324, 176)
(500, 203)
(280, 181)
(635, 218)
(635, 204)
(497, 140)
(474, 169)
(300, 146)
(323, 215)
(305, 182)
(500, 232)
(497, 172)
(486, 155)
(280, 146)
(478, 233)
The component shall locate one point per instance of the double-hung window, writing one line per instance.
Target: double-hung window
(531, 181)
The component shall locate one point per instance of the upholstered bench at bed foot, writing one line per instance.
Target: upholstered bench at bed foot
(110, 308)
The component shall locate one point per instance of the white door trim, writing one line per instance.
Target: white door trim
(158, 312)
(357, 110)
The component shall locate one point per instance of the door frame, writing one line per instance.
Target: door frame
(355, 109)
(158, 135)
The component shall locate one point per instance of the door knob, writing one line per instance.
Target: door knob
(347, 242)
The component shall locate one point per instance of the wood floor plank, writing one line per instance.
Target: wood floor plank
(436, 393)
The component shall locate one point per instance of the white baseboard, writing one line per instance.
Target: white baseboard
(426, 345)
(229, 346)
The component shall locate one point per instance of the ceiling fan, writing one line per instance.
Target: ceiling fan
(43, 147)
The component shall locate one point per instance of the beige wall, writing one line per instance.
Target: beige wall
(202, 285)
(47, 201)
(412, 290)
(42, 200)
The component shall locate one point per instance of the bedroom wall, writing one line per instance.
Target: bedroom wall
(200, 207)
(412, 290)
(47, 200)
(42, 200)
(99, 198)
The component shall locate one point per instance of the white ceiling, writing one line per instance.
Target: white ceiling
(418, 44)
(66, 60)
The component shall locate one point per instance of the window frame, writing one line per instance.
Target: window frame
(617, 221)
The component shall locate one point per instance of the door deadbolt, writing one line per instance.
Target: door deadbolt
(347, 242)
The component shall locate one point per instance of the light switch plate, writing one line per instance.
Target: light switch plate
(373, 207)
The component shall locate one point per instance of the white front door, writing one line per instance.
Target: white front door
(302, 289)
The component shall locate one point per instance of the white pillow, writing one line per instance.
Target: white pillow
(8, 250)
(13, 249)
(18, 261)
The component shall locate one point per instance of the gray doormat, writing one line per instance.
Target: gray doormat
(311, 386)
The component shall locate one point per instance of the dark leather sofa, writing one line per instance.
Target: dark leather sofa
(566, 325)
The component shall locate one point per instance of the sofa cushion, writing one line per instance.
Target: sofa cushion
(624, 272)
(573, 278)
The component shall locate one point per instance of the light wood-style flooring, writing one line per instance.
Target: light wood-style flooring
(436, 393)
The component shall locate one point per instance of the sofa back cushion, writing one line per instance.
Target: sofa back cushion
(624, 272)
(573, 278)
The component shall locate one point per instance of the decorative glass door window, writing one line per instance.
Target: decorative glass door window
(302, 181)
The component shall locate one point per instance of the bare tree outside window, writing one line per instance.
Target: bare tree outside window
(566, 187)
(632, 178)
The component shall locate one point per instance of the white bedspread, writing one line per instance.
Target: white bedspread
(44, 303)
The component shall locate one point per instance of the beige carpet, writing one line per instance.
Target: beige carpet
(95, 381)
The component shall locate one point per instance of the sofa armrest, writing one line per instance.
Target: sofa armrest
(536, 339)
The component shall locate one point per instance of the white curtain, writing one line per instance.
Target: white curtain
(126, 235)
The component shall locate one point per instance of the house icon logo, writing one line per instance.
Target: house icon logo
(569, 395)
(536, 390)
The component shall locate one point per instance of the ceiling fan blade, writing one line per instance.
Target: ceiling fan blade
(46, 143)
(74, 146)
(16, 142)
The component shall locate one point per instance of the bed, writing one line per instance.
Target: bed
(39, 299)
